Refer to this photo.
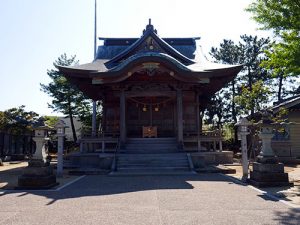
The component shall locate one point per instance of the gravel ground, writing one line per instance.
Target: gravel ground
(290, 194)
(174, 200)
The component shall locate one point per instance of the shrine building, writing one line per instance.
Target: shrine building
(151, 88)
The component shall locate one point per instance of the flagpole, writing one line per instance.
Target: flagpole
(95, 31)
(95, 52)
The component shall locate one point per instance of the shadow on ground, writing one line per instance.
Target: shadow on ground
(9, 177)
(103, 185)
(289, 217)
(97, 185)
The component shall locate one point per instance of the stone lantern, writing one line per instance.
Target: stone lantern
(243, 125)
(266, 134)
(267, 171)
(38, 174)
(41, 139)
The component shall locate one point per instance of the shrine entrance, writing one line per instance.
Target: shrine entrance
(150, 116)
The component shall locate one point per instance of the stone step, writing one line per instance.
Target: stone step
(147, 152)
(151, 160)
(121, 159)
(150, 145)
(142, 167)
(151, 149)
(153, 155)
(132, 162)
(154, 168)
(151, 173)
(152, 163)
(151, 140)
(139, 146)
(163, 158)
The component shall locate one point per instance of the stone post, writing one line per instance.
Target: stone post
(60, 128)
(243, 132)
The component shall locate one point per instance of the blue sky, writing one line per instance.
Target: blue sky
(35, 32)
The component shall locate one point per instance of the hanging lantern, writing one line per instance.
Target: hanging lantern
(144, 108)
(156, 109)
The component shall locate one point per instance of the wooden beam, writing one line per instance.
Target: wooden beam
(122, 117)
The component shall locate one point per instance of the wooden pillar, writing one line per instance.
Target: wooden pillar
(122, 117)
(94, 125)
(198, 122)
(179, 118)
(220, 145)
(151, 115)
(103, 125)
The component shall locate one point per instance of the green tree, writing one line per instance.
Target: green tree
(254, 99)
(67, 99)
(227, 53)
(250, 52)
(51, 120)
(17, 120)
(283, 18)
(278, 60)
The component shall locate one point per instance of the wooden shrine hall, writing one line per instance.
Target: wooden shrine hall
(151, 87)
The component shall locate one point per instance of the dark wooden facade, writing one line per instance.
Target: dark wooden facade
(150, 82)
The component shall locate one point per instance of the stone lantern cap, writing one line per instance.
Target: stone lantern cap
(41, 125)
(266, 120)
(60, 124)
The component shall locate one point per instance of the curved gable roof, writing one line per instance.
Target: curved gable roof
(149, 32)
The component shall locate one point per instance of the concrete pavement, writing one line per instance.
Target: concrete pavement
(174, 200)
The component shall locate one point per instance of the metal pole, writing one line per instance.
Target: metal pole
(95, 31)
(95, 53)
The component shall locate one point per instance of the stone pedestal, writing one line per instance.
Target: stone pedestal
(38, 175)
(269, 175)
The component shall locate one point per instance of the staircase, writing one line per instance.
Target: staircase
(160, 156)
(150, 146)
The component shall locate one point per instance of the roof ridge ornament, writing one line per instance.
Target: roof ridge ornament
(149, 27)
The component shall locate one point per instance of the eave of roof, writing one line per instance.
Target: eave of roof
(287, 104)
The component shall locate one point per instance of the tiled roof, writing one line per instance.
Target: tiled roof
(288, 103)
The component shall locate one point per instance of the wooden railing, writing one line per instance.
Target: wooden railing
(104, 142)
(204, 141)
(114, 162)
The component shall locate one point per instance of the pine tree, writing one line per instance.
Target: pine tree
(67, 99)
